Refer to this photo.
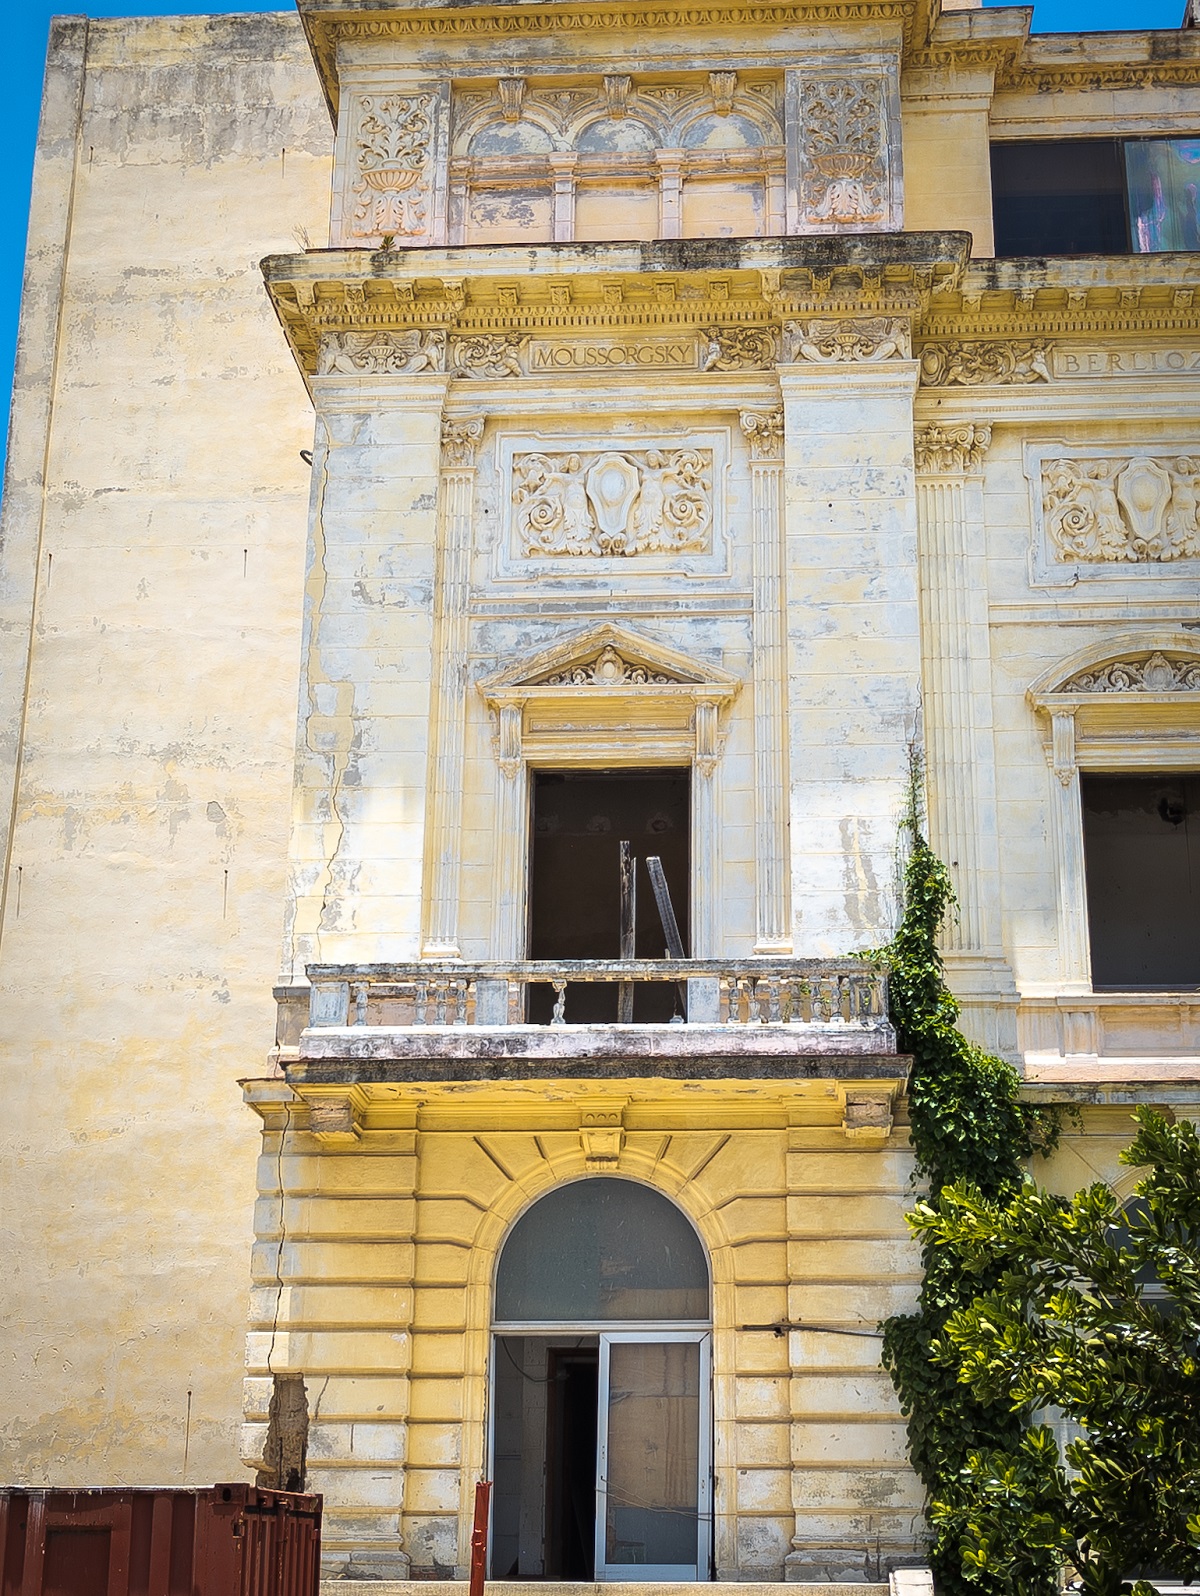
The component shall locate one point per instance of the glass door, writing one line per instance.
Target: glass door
(654, 1477)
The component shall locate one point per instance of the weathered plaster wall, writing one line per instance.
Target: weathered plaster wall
(153, 559)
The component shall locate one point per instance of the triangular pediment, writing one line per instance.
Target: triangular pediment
(608, 657)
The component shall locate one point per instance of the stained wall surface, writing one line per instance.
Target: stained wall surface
(153, 555)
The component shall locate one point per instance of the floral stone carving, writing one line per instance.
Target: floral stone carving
(383, 354)
(843, 152)
(968, 365)
(952, 449)
(487, 355)
(653, 501)
(395, 139)
(1154, 674)
(1122, 510)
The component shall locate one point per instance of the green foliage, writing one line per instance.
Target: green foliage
(1095, 1313)
(967, 1124)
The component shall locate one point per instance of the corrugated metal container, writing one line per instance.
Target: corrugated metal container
(230, 1540)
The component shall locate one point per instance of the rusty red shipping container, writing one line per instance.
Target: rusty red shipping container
(229, 1540)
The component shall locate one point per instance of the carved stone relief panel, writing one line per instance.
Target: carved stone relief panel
(1122, 509)
(576, 505)
(971, 365)
(647, 501)
(1110, 514)
(1150, 673)
(392, 167)
(826, 341)
(382, 354)
(844, 147)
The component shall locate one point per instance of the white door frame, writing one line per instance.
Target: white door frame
(689, 1572)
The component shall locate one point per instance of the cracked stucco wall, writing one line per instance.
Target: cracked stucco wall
(150, 605)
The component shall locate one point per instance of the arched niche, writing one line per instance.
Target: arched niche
(602, 1250)
(732, 132)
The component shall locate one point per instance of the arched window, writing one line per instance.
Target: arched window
(602, 1250)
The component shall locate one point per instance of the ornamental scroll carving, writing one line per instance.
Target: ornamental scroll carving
(969, 365)
(383, 354)
(826, 342)
(653, 501)
(460, 440)
(843, 152)
(956, 449)
(487, 355)
(1139, 509)
(394, 141)
(738, 349)
(608, 669)
(1153, 674)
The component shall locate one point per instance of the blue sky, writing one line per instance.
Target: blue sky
(25, 37)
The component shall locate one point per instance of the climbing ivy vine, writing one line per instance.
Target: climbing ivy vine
(966, 1123)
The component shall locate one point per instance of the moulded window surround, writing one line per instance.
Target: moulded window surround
(1127, 710)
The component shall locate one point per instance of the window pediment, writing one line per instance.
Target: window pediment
(1136, 699)
(609, 695)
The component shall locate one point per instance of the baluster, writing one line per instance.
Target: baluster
(422, 1003)
(821, 1004)
(724, 1001)
(439, 1002)
(774, 1013)
(560, 1003)
(461, 989)
(360, 1002)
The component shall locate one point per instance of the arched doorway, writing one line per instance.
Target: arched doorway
(601, 1390)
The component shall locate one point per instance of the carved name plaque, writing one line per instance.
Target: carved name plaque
(645, 501)
(615, 354)
(1066, 362)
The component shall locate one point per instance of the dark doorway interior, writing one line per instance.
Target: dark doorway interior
(544, 1512)
(1142, 851)
(578, 823)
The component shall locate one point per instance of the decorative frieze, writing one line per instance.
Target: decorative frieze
(763, 431)
(1153, 673)
(826, 341)
(393, 139)
(1122, 510)
(652, 501)
(739, 349)
(970, 365)
(952, 449)
(383, 354)
(487, 355)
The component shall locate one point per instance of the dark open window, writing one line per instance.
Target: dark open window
(1096, 196)
(579, 820)
(1142, 854)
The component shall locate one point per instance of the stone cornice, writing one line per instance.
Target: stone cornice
(699, 287)
(329, 23)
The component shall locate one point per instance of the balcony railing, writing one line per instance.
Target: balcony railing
(817, 994)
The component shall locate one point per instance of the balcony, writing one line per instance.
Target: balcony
(455, 1021)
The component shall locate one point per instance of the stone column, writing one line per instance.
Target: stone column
(447, 721)
(853, 638)
(764, 431)
(1066, 827)
(358, 833)
(956, 661)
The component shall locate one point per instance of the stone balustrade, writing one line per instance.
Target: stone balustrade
(816, 994)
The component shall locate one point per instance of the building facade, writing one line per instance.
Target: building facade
(719, 416)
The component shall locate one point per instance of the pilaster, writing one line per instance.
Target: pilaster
(959, 745)
(447, 721)
(764, 433)
(853, 639)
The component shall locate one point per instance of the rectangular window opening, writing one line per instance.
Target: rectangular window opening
(1142, 860)
(1096, 196)
(579, 820)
